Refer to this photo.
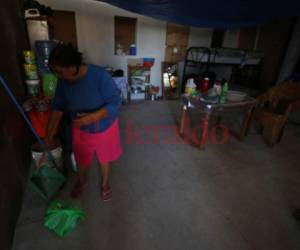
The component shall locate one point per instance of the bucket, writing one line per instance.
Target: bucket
(56, 150)
(39, 121)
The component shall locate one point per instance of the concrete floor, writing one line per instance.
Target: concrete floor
(239, 195)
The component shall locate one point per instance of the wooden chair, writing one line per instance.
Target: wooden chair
(273, 109)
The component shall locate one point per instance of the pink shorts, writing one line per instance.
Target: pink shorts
(106, 145)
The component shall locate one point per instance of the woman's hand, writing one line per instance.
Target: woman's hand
(89, 118)
(48, 140)
(52, 127)
(85, 119)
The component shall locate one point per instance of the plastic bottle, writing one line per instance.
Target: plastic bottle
(119, 50)
(205, 85)
(218, 87)
(190, 86)
(132, 50)
(194, 93)
(224, 91)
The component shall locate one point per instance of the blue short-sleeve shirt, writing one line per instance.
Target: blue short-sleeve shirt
(93, 91)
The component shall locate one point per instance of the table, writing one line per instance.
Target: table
(208, 109)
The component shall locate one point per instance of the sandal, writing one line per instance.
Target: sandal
(106, 193)
(77, 191)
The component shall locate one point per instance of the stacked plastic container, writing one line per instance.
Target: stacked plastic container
(148, 62)
(43, 50)
(36, 68)
(31, 72)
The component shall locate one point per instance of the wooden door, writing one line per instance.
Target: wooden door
(62, 27)
(15, 137)
(297, 67)
(176, 42)
(273, 41)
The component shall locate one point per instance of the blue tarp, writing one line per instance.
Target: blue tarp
(213, 13)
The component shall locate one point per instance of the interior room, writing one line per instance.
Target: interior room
(150, 125)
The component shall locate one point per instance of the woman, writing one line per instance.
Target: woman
(91, 98)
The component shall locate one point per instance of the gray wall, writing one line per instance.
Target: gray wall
(95, 34)
(14, 150)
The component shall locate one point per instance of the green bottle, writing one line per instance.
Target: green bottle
(224, 91)
(194, 93)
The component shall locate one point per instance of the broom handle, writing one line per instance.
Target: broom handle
(40, 141)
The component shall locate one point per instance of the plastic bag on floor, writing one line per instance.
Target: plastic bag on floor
(62, 217)
(46, 181)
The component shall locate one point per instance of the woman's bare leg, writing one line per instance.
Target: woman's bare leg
(81, 181)
(106, 193)
(82, 175)
(105, 170)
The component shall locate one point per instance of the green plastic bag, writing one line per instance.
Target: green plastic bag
(46, 181)
(62, 217)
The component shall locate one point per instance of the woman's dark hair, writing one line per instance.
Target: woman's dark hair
(65, 55)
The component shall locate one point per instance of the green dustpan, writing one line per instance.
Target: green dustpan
(46, 181)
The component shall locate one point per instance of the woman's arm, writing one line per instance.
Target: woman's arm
(89, 118)
(111, 97)
(52, 126)
(58, 106)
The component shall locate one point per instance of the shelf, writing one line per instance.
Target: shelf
(138, 79)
